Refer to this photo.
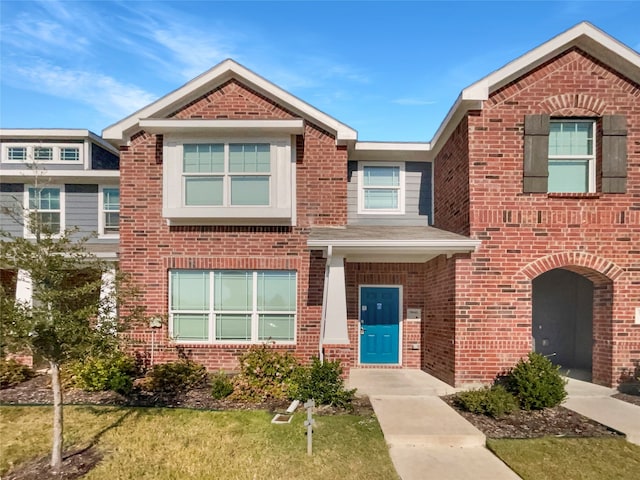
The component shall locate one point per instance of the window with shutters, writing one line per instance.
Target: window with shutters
(560, 154)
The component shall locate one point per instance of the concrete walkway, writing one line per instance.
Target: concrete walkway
(595, 402)
(427, 439)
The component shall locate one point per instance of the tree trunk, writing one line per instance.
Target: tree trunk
(56, 450)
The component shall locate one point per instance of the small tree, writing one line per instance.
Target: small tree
(69, 316)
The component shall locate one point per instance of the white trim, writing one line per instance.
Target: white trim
(401, 188)
(27, 233)
(280, 210)
(400, 323)
(207, 81)
(393, 146)
(39, 134)
(590, 158)
(221, 127)
(102, 211)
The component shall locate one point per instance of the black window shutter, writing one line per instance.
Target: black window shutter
(536, 154)
(614, 154)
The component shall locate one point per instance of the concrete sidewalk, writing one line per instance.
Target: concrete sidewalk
(595, 402)
(427, 439)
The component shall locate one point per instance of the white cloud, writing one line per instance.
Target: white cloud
(413, 101)
(102, 92)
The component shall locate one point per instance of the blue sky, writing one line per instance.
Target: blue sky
(391, 70)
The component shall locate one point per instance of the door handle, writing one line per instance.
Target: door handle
(361, 330)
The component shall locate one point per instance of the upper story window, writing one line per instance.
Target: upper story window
(562, 155)
(228, 174)
(46, 209)
(381, 188)
(109, 221)
(232, 305)
(43, 153)
(228, 181)
(571, 156)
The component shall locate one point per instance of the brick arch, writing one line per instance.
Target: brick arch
(596, 269)
(573, 104)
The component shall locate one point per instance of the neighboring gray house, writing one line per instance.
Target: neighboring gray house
(72, 178)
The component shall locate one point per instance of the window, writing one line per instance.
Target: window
(560, 154)
(109, 223)
(229, 174)
(220, 181)
(56, 153)
(17, 154)
(45, 208)
(231, 306)
(571, 156)
(381, 188)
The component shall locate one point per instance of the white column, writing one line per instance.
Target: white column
(24, 288)
(107, 295)
(335, 327)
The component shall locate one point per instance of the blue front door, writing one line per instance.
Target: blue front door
(379, 322)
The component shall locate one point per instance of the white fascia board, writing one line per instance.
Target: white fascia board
(56, 134)
(76, 176)
(467, 245)
(295, 126)
(208, 80)
(393, 146)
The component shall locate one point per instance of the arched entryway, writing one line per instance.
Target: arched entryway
(562, 320)
(571, 320)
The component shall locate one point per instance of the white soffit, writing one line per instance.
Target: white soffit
(214, 77)
(55, 134)
(387, 151)
(584, 36)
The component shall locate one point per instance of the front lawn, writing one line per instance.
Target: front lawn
(569, 458)
(155, 443)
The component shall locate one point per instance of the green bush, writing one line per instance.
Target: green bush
(13, 372)
(323, 382)
(174, 377)
(115, 372)
(221, 386)
(536, 383)
(264, 373)
(494, 401)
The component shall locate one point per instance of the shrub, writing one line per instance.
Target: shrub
(264, 373)
(221, 386)
(115, 372)
(174, 377)
(494, 401)
(13, 372)
(536, 383)
(323, 382)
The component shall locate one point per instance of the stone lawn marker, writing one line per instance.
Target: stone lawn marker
(309, 404)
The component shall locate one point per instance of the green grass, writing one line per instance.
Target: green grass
(570, 458)
(175, 443)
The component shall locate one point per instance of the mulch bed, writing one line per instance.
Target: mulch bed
(556, 422)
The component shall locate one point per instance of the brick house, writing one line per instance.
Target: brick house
(249, 216)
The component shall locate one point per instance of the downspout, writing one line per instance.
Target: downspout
(324, 303)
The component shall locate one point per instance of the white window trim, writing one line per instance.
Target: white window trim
(591, 158)
(56, 148)
(282, 184)
(212, 315)
(401, 189)
(102, 211)
(27, 209)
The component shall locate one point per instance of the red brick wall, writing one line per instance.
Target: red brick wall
(149, 248)
(438, 326)
(524, 235)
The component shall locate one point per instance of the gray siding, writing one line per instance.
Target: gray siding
(11, 199)
(81, 208)
(418, 198)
